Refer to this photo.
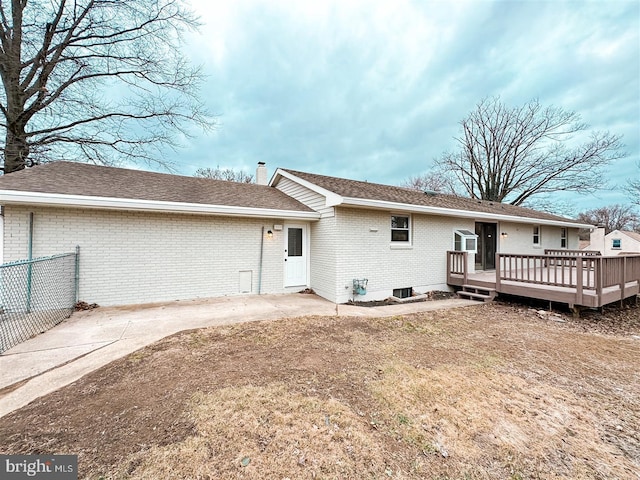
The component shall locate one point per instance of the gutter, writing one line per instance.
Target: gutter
(16, 197)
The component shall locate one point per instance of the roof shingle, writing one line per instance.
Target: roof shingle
(70, 178)
(402, 195)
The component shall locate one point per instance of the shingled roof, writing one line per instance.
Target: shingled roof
(70, 178)
(400, 195)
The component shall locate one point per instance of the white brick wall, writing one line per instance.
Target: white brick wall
(520, 238)
(133, 257)
(365, 250)
(323, 257)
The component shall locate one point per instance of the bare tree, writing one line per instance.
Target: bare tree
(633, 186)
(227, 174)
(431, 181)
(96, 80)
(613, 217)
(511, 154)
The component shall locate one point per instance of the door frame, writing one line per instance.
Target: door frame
(305, 253)
(487, 235)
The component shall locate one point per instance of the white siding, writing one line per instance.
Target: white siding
(627, 244)
(308, 197)
(132, 257)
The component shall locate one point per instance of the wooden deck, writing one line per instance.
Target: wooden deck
(573, 277)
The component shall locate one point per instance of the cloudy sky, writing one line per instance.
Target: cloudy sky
(375, 90)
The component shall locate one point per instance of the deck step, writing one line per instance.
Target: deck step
(476, 292)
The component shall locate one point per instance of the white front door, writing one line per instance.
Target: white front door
(295, 256)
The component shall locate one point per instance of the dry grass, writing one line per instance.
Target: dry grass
(486, 392)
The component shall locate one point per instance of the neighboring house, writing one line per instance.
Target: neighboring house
(150, 237)
(617, 242)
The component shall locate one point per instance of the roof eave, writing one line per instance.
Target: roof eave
(450, 212)
(15, 197)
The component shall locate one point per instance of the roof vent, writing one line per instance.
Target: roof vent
(431, 193)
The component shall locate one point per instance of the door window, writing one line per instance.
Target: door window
(294, 247)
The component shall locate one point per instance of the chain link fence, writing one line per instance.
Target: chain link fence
(36, 295)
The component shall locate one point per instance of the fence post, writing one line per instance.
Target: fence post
(30, 264)
(77, 278)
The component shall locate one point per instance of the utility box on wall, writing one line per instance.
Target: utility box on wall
(245, 281)
(360, 286)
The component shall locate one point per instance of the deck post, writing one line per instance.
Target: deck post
(623, 280)
(498, 272)
(449, 267)
(597, 275)
(465, 259)
(579, 276)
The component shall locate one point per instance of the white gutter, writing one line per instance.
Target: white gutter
(450, 212)
(16, 197)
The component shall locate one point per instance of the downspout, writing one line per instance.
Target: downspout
(30, 264)
(260, 264)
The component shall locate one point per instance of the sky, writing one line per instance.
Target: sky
(375, 90)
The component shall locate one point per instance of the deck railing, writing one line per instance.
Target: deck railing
(457, 264)
(589, 272)
(559, 271)
(594, 273)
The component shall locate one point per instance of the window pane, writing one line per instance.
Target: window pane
(457, 244)
(399, 235)
(470, 245)
(294, 247)
(399, 222)
(617, 243)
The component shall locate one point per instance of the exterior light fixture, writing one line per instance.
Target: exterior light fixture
(269, 234)
(504, 234)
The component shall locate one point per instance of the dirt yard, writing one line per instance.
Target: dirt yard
(497, 391)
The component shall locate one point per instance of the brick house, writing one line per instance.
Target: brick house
(151, 237)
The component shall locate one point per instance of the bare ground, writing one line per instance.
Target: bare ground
(491, 391)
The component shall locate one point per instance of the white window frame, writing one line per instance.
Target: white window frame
(613, 247)
(464, 236)
(537, 234)
(563, 237)
(408, 229)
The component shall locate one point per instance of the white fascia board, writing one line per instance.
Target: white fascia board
(80, 201)
(332, 199)
(450, 212)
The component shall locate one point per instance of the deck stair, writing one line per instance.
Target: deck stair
(476, 292)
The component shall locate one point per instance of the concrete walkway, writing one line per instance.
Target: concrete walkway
(91, 339)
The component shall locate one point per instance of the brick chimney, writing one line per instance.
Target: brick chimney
(261, 174)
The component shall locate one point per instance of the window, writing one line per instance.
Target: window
(563, 238)
(465, 241)
(400, 228)
(616, 243)
(536, 236)
(403, 292)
